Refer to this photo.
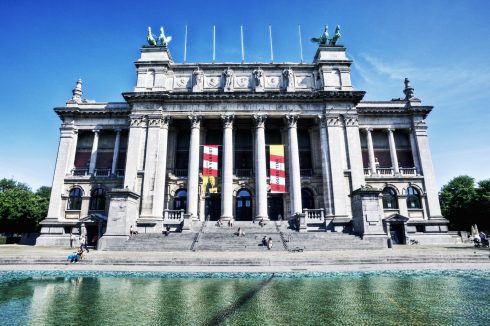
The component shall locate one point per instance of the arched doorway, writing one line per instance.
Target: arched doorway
(243, 205)
(180, 199)
(275, 207)
(307, 199)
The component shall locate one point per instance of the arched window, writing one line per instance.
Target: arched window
(390, 201)
(75, 199)
(307, 199)
(413, 198)
(180, 199)
(97, 200)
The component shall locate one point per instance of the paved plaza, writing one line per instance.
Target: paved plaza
(17, 257)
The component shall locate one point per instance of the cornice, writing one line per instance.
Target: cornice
(313, 96)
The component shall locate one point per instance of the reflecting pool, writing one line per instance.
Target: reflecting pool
(387, 298)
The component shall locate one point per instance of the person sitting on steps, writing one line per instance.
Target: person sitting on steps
(264, 241)
(132, 230)
(261, 222)
(240, 233)
(269, 244)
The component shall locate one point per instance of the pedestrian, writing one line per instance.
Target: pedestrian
(230, 223)
(72, 239)
(83, 243)
(264, 241)
(261, 223)
(269, 244)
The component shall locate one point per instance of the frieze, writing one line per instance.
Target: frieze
(212, 81)
(242, 81)
(139, 121)
(182, 82)
(351, 121)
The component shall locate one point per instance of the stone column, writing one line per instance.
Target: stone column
(260, 168)
(93, 156)
(372, 160)
(193, 173)
(394, 158)
(161, 168)
(294, 168)
(63, 165)
(327, 185)
(434, 208)
(115, 156)
(227, 176)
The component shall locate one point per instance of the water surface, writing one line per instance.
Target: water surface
(388, 298)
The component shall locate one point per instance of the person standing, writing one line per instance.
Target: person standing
(269, 244)
(83, 243)
(72, 239)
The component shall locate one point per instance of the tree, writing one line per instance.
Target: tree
(463, 204)
(21, 210)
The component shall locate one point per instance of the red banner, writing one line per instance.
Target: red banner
(277, 170)
(210, 160)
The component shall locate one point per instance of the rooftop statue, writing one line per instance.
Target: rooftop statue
(150, 38)
(323, 39)
(162, 39)
(336, 36)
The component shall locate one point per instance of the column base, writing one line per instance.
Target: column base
(226, 218)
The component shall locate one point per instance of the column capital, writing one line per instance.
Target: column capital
(390, 130)
(96, 130)
(292, 120)
(368, 130)
(259, 120)
(227, 120)
(195, 121)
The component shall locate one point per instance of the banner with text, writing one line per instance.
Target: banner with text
(210, 168)
(277, 170)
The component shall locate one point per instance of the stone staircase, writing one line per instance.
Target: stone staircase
(225, 238)
(207, 236)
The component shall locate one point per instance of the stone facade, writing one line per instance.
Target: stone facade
(351, 165)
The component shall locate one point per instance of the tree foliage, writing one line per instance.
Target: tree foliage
(464, 203)
(21, 210)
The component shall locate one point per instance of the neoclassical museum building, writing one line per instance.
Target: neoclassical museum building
(202, 142)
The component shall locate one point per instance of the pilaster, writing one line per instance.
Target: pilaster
(354, 151)
(65, 147)
(434, 208)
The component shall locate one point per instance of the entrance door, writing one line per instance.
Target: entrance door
(275, 207)
(397, 233)
(213, 207)
(243, 205)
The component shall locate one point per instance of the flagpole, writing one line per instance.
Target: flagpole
(243, 52)
(214, 43)
(185, 45)
(300, 43)
(270, 39)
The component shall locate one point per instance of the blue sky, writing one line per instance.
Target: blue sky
(441, 46)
